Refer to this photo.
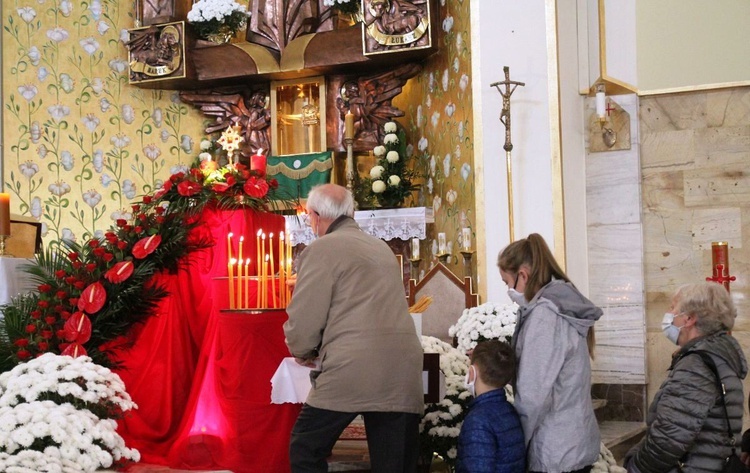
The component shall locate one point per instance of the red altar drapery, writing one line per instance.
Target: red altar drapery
(201, 377)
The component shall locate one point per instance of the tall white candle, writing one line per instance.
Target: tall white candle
(441, 243)
(466, 239)
(415, 248)
(601, 100)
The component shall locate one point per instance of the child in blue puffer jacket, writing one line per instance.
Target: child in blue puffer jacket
(491, 438)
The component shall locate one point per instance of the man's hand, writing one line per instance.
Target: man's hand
(309, 362)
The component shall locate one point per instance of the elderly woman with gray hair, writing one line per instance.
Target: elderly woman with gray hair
(687, 421)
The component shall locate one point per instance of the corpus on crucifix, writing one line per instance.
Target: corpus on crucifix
(510, 87)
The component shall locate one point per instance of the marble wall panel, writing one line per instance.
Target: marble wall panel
(612, 169)
(663, 191)
(667, 150)
(616, 283)
(617, 204)
(615, 244)
(722, 146)
(669, 260)
(720, 224)
(727, 185)
(729, 107)
(672, 112)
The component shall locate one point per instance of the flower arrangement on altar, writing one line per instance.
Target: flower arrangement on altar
(89, 294)
(390, 181)
(58, 414)
(344, 6)
(441, 422)
(217, 18)
(484, 322)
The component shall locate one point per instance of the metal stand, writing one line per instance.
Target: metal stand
(467, 263)
(415, 268)
(349, 170)
(443, 257)
(3, 252)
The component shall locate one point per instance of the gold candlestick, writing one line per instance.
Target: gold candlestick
(415, 268)
(467, 262)
(443, 257)
(3, 252)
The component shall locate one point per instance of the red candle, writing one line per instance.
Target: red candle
(258, 163)
(5, 214)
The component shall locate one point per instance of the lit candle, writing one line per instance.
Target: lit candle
(273, 284)
(258, 163)
(263, 269)
(230, 272)
(415, 248)
(5, 214)
(466, 239)
(601, 100)
(239, 272)
(258, 261)
(265, 283)
(247, 284)
(349, 125)
(441, 243)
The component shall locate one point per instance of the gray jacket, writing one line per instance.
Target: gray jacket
(553, 385)
(686, 421)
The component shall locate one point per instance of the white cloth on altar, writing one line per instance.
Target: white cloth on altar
(291, 382)
(13, 281)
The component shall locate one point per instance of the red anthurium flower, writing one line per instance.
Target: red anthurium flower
(230, 180)
(119, 272)
(21, 342)
(188, 188)
(60, 273)
(23, 355)
(220, 187)
(78, 328)
(92, 299)
(257, 188)
(146, 246)
(44, 288)
(74, 350)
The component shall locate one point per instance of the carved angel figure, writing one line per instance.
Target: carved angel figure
(369, 99)
(248, 110)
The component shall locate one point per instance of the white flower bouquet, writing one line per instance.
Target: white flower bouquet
(57, 414)
(212, 17)
(441, 422)
(485, 322)
(390, 181)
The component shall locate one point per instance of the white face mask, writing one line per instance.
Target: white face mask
(672, 332)
(516, 296)
(469, 385)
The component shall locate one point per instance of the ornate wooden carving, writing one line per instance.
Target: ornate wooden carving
(396, 24)
(276, 23)
(157, 52)
(369, 98)
(243, 107)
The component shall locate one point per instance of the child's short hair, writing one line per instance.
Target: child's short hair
(496, 362)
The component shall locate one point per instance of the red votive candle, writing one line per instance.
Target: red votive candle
(258, 163)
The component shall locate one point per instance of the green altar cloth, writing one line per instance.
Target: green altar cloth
(298, 173)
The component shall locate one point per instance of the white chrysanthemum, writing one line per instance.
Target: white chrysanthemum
(378, 187)
(390, 127)
(377, 172)
(394, 181)
(379, 151)
(390, 139)
(392, 157)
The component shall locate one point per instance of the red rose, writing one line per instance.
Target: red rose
(121, 222)
(61, 295)
(90, 267)
(60, 334)
(50, 320)
(122, 245)
(159, 219)
(166, 187)
(43, 346)
(159, 210)
(21, 342)
(65, 315)
(36, 314)
(142, 217)
(79, 285)
(47, 334)
(240, 167)
(230, 180)
(44, 288)
(177, 177)
(73, 256)
(42, 304)
(128, 228)
(196, 173)
(23, 355)
(58, 308)
(70, 280)
(257, 188)
(73, 301)
(60, 273)
(138, 229)
(188, 188)
(31, 328)
(147, 199)
(273, 183)
(93, 243)
(136, 208)
(98, 252)
(77, 265)
(108, 257)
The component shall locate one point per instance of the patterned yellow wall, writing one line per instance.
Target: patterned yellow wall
(439, 124)
(79, 142)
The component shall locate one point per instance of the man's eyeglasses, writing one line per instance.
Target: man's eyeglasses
(307, 217)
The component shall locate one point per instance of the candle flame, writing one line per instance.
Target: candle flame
(259, 152)
(260, 232)
(270, 235)
(267, 257)
(247, 261)
(230, 235)
(242, 238)
(263, 236)
(281, 235)
(233, 261)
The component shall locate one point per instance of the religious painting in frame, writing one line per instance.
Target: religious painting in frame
(157, 52)
(394, 25)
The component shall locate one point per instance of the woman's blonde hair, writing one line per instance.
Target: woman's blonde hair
(711, 305)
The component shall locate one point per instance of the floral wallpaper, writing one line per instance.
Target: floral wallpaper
(79, 142)
(439, 124)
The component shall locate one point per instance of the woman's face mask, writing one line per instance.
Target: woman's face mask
(514, 295)
(469, 385)
(671, 331)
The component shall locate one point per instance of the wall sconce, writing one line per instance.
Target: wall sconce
(609, 127)
(609, 136)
